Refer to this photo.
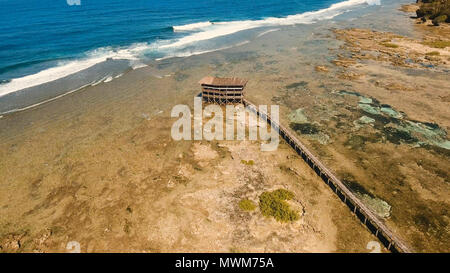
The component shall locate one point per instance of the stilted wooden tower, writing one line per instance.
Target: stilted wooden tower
(223, 90)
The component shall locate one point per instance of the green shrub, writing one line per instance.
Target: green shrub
(439, 20)
(247, 205)
(274, 204)
(391, 45)
(248, 162)
(283, 194)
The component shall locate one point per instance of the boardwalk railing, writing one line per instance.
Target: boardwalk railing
(366, 216)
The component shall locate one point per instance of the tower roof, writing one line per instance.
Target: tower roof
(209, 80)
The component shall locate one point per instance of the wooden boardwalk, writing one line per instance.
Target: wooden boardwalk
(367, 217)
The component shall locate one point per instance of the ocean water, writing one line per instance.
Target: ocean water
(48, 47)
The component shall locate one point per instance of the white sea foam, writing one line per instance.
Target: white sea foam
(268, 31)
(190, 27)
(242, 43)
(108, 79)
(192, 53)
(226, 28)
(66, 68)
(137, 65)
(100, 81)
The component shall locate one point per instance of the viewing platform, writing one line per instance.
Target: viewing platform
(223, 90)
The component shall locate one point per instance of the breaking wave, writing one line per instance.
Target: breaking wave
(190, 27)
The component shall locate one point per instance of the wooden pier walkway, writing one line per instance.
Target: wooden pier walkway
(367, 217)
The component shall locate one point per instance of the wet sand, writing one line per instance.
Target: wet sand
(98, 166)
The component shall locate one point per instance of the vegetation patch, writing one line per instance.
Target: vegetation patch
(439, 20)
(437, 44)
(274, 204)
(248, 162)
(391, 45)
(247, 205)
